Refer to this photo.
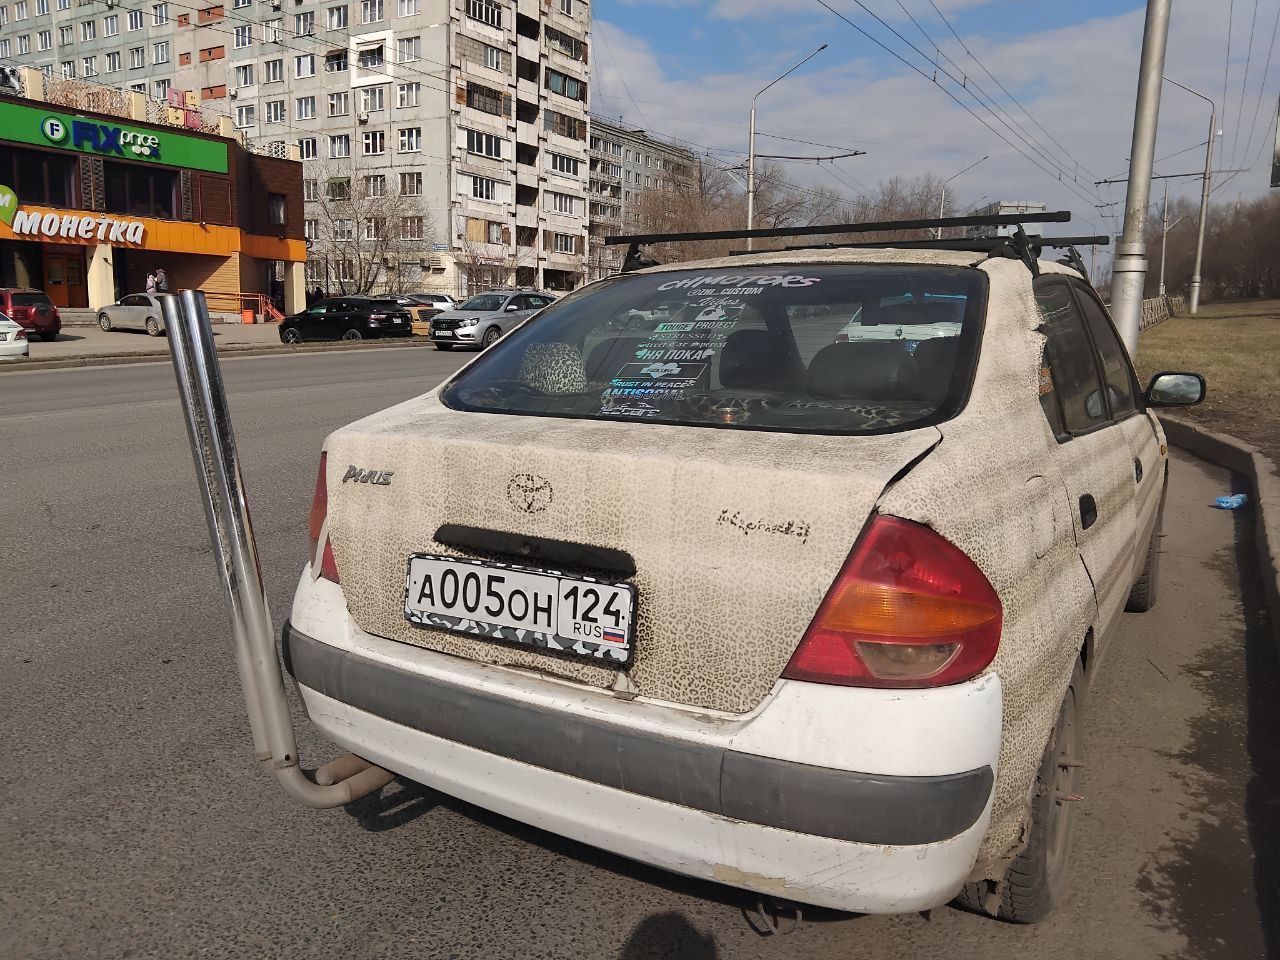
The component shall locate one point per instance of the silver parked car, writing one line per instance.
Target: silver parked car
(137, 310)
(485, 317)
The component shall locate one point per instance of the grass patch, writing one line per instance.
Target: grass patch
(1237, 348)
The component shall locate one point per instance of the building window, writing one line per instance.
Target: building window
(44, 40)
(111, 25)
(42, 7)
(566, 126)
(370, 58)
(566, 86)
(90, 65)
(410, 139)
(243, 36)
(407, 94)
(20, 10)
(374, 142)
(335, 62)
(343, 229)
(160, 52)
(485, 99)
(338, 17)
(272, 31)
(408, 8)
(275, 208)
(410, 184)
(304, 108)
(566, 7)
(340, 146)
(486, 11)
(88, 30)
(113, 61)
(237, 4)
(373, 228)
(159, 14)
(411, 228)
(137, 58)
(274, 112)
(408, 49)
(272, 71)
(311, 228)
(375, 186)
(24, 46)
(345, 269)
(565, 243)
(140, 191)
(338, 188)
(370, 11)
(245, 116)
(373, 99)
(307, 151)
(304, 24)
(560, 202)
(310, 189)
(485, 144)
(4, 48)
(304, 65)
(65, 35)
(339, 104)
(562, 164)
(244, 75)
(492, 58)
(562, 42)
(484, 188)
(135, 19)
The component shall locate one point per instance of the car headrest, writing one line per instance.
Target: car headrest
(935, 360)
(755, 360)
(608, 356)
(553, 368)
(863, 370)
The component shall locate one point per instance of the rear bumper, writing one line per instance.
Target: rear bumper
(861, 800)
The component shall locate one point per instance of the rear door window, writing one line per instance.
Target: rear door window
(1116, 370)
(31, 300)
(803, 348)
(1070, 389)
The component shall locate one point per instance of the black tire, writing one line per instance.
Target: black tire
(290, 335)
(444, 346)
(104, 322)
(352, 334)
(1038, 876)
(153, 327)
(49, 337)
(490, 337)
(1145, 591)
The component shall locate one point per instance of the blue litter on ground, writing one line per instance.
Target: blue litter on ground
(1233, 502)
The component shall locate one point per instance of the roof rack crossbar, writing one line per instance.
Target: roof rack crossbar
(964, 244)
(881, 226)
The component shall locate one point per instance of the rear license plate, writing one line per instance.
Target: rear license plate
(552, 612)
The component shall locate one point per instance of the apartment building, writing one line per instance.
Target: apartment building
(625, 163)
(448, 136)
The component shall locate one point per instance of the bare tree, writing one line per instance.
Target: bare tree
(366, 228)
(489, 261)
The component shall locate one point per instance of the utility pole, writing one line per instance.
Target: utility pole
(1164, 234)
(942, 205)
(1193, 298)
(1129, 273)
(751, 146)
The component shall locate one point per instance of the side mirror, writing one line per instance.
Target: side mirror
(512, 308)
(1175, 389)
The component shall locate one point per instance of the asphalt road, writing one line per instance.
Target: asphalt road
(134, 823)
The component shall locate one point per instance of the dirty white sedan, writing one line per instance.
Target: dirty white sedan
(670, 571)
(13, 340)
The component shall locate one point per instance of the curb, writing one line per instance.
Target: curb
(1264, 487)
(114, 359)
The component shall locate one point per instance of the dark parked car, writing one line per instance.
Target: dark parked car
(347, 318)
(32, 310)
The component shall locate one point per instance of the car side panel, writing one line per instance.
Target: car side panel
(1144, 448)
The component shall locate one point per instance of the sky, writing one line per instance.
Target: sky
(687, 69)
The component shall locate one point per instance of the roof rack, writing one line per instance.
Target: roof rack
(969, 244)
(634, 261)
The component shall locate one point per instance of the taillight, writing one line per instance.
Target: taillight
(21, 334)
(908, 609)
(319, 510)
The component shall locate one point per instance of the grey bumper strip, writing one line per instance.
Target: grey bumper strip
(860, 807)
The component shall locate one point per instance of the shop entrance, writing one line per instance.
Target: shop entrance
(64, 277)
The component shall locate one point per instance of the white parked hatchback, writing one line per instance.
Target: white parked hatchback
(670, 571)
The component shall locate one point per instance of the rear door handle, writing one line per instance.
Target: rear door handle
(1088, 511)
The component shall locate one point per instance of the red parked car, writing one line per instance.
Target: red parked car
(32, 310)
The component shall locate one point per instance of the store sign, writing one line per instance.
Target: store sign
(39, 127)
(73, 227)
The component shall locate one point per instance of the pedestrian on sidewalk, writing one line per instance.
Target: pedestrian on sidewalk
(162, 281)
(151, 282)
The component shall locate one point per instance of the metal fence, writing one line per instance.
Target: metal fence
(1157, 309)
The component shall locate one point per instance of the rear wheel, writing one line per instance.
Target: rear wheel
(490, 337)
(1038, 877)
(153, 327)
(104, 321)
(291, 335)
(353, 334)
(1143, 595)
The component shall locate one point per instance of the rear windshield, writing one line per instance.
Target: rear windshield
(830, 349)
(485, 301)
(31, 300)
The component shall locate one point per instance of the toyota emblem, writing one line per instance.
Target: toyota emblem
(529, 493)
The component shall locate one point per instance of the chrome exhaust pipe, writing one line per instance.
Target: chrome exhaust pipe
(213, 448)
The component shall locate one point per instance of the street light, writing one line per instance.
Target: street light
(1193, 297)
(942, 206)
(751, 146)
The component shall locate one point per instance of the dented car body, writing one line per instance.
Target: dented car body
(686, 569)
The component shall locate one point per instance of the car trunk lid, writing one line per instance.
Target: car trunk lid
(736, 535)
